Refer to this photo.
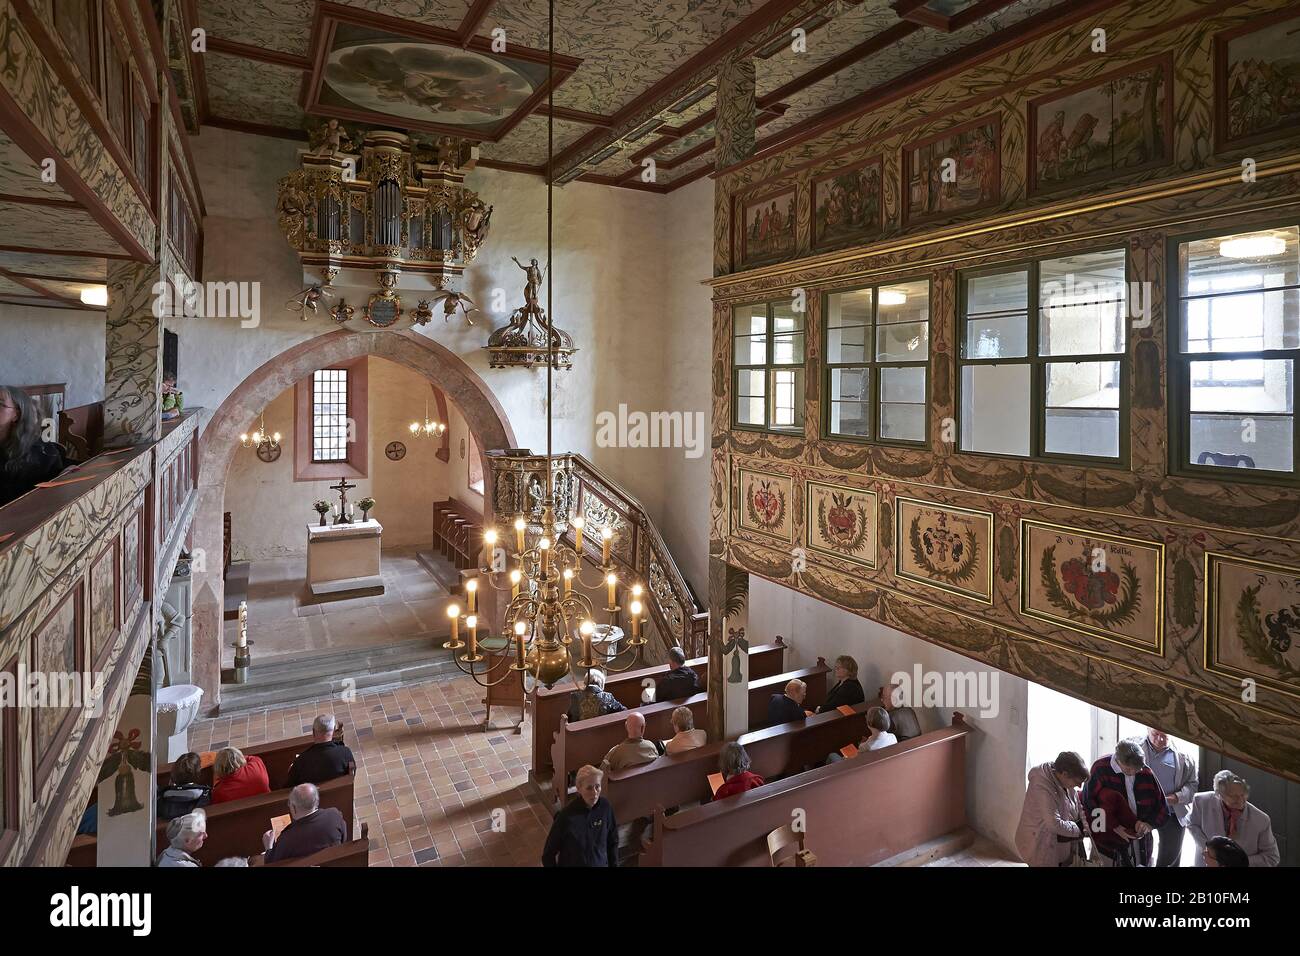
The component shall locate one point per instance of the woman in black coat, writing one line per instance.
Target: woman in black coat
(25, 460)
(847, 691)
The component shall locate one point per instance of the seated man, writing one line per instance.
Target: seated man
(783, 708)
(592, 701)
(680, 681)
(903, 720)
(634, 751)
(687, 737)
(311, 831)
(185, 835)
(185, 791)
(325, 759)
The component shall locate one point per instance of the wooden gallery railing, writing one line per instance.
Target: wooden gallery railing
(676, 617)
(83, 560)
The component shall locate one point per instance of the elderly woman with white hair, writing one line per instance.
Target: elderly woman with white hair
(593, 700)
(1225, 812)
(185, 835)
(584, 833)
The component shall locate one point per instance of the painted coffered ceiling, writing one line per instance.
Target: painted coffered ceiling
(642, 86)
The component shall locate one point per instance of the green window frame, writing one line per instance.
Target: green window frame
(1030, 379)
(1234, 352)
(768, 354)
(875, 342)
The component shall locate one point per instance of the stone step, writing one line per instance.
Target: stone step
(306, 677)
(950, 844)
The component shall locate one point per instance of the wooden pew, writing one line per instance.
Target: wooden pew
(457, 532)
(587, 741)
(549, 706)
(278, 755)
(353, 853)
(678, 779)
(859, 812)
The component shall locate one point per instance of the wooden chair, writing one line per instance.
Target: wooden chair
(784, 846)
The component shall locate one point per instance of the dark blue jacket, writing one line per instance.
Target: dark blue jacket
(582, 837)
(678, 684)
(782, 710)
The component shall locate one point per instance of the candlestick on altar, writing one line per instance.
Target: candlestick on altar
(243, 623)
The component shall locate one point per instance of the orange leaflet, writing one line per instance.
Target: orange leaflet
(845, 709)
(715, 781)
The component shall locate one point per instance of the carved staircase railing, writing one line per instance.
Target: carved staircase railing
(517, 482)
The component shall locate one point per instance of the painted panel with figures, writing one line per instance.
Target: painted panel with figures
(945, 547)
(1252, 621)
(841, 522)
(1108, 586)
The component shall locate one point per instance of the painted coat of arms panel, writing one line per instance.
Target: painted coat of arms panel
(764, 504)
(1108, 586)
(841, 522)
(1252, 621)
(945, 547)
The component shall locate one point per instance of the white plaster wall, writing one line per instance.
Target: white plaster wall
(43, 346)
(995, 772)
(270, 511)
(627, 267)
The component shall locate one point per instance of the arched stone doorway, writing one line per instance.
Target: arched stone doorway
(220, 441)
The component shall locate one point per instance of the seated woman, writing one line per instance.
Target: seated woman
(847, 691)
(1221, 851)
(25, 459)
(185, 792)
(686, 736)
(878, 735)
(593, 701)
(238, 776)
(734, 764)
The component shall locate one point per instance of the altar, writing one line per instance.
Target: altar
(344, 557)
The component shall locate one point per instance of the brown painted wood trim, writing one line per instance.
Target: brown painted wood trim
(83, 253)
(262, 55)
(30, 140)
(72, 81)
(38, 288)
(39, 201)
(737, 36)
(979, 11)
(156, 41)
(189, 196)
(539, 170)
(968, 56)
(703, 171)
(882, 40)
(1222, 141)
(74, 279)
(473, 18)
(256, 129)
(188, 12)
(575, 116)
(145, 64)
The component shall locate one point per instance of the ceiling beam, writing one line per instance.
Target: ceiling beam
(631, 114)
(262, 55)
(473, 18)
(39, 289)
(40, 201)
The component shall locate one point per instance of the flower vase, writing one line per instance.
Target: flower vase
(365, 514)
(322, 519)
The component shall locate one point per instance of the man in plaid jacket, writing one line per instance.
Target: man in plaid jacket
(1125, 771)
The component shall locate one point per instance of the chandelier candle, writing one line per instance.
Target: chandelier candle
(489, 547)
(612, 581)
(471, 622)
(520, 525)
(568, 580)
(578, 524)
(515, 577)
(471, 588)
(606, 533)
(453, 612)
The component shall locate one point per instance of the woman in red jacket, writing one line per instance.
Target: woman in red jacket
(238, 776)
(734, 764)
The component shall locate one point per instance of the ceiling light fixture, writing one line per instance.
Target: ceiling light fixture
(95, 295)
(892, 297)
(1258, 246)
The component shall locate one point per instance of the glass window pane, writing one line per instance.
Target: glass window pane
(751, 349)
(902, 385)
(904, 302)
(904, 342)
(1006, 292)
(785, 318)
(902, 422)
(787, 349)
(1231, 441)
(1082, 431)
(787, 398)
(1242, 385)
(749, 411)
(846, 344)
(997, 336)
(751, 320)
(995, 409)
(1263, 259)
(853, 384)
(848, 316)
(1082, 304)
(330, 415)
(1242, 322)
(1083, 385)
(749, 383)
(851, 418)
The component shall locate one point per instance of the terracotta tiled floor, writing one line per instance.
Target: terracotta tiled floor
(428, 777)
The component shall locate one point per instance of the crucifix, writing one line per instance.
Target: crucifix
(342, 488)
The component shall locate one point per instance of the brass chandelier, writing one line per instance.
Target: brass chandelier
(548, 624)
(427, 428)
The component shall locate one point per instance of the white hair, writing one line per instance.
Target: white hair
(184, 829)
(596, 678)
(1129, 754)
(586, 772)
(323, 726)
(795, 687)
(304, 799)
(233, 861)
(1226, 778)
